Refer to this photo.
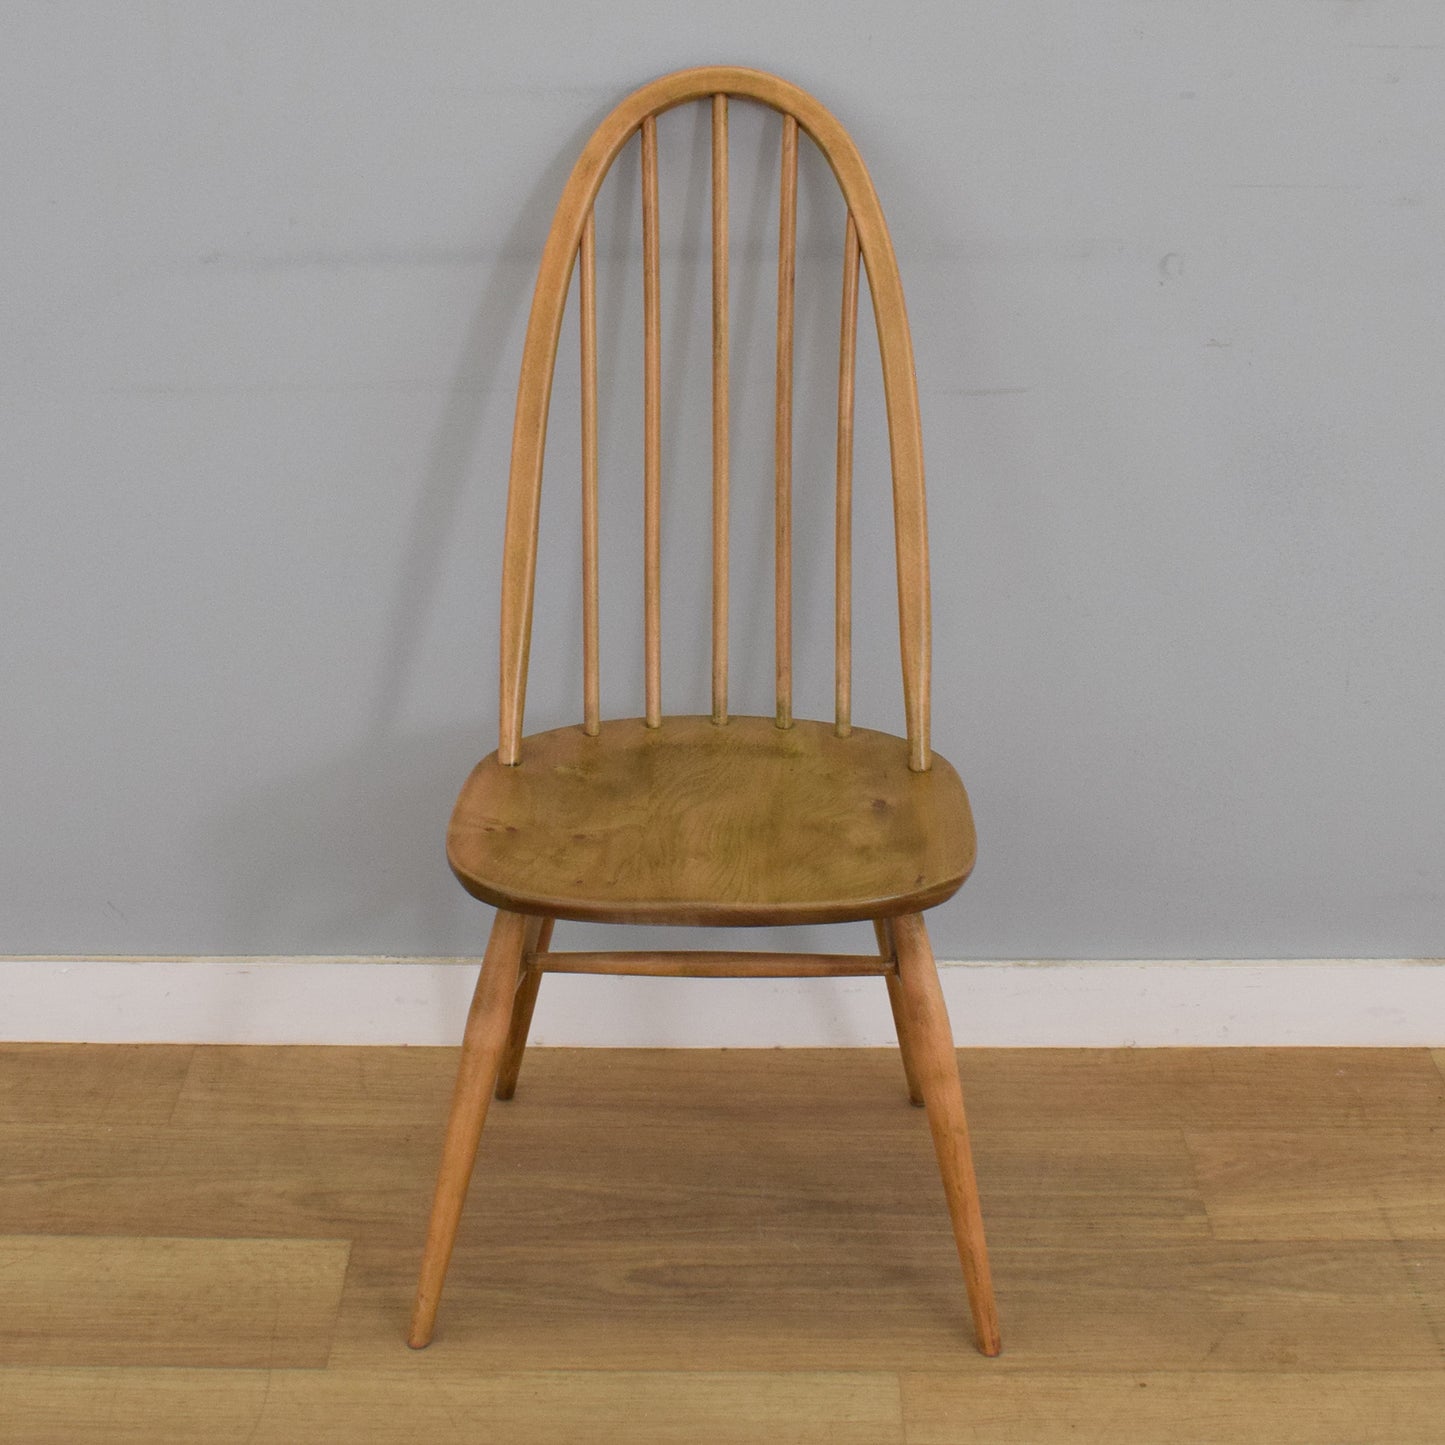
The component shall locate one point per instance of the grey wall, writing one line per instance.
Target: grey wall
(1174, 273)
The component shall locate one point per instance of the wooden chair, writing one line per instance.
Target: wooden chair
(715, 819)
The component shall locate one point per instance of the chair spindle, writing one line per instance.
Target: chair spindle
(652, 443)
(719, 409)
(843, 548)
(587, 308)
(783, 433)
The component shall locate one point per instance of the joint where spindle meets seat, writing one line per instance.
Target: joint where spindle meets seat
(714, 818)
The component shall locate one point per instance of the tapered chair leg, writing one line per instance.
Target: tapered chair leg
(924, 1019)
(482, 1045)
(539, 938)
(895, 1001)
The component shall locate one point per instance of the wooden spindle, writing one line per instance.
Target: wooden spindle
(783, 431)
(652, 444)
(652, 408)
(843, 545)
(719, 409)
(587, 305)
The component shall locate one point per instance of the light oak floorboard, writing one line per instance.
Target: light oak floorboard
(283, 1407)
(1078, 1089)
(1065, 1187)
(1084, 1090)
(782, 1180)
(282, 1088)
(109, 1300)
(641, 1221)
(1322, 1183)
(364, 1185)
(1424, 1266)
(1175, 1409)
(1103, 1089)
(691, 1302)
(90, 1085)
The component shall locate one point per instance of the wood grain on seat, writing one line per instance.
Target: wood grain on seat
(695, 823)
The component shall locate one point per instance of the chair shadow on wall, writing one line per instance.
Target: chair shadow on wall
(355, 848)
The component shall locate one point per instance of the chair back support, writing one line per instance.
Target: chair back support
(571, 246)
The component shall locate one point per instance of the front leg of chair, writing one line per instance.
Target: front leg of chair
(539, 937)
(482, 1046)
(882, 928)
(924, 1019)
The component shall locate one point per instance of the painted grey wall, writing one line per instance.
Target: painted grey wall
(1175, 280)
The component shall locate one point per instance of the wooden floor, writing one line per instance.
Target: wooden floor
(219, 1244)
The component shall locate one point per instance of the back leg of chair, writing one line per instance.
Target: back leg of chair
(539, 938)
(882, 928)
(924, 1019)
(482, 1046)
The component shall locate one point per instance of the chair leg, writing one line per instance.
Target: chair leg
(482, 1046)
(924, 1018)
(539, 936)
(895, 1001)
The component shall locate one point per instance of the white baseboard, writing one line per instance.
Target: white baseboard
(1070, 1003)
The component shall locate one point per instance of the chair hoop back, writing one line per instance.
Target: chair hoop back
(569, 242)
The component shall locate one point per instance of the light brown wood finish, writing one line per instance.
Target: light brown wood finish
(1185, 1408)
(712, 820)
(587, 313)
(1299, 1183)
(783, 423)
(269, 1302)
(713, 963)
(539, 352)
(524, 1003)
(793, 1272)
(520, 1407)
(924, 1020)
(92, 1086)
(883, 931)
(1224, 1089)
(482, 1049)
(720, 409)
(87, 1092)
(696, 824)
(820, 1407)
(652, 428)
(843, 539)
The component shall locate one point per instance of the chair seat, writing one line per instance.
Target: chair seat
(695, 823)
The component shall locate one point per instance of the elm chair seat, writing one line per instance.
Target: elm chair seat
(695, 823)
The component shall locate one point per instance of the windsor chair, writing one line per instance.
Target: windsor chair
(717, 819)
